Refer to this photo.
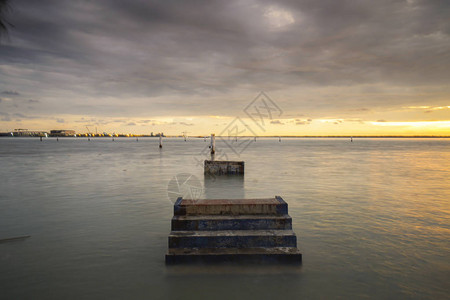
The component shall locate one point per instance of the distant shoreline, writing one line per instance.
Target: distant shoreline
(354, 136)
(267, 136)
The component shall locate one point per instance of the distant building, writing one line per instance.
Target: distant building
(62, 132)
(26, 132)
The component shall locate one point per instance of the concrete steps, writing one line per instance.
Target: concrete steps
(238, 222)
(232, 239)
(232, 207)
(235, 230)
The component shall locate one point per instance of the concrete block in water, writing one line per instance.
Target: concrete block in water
(217, 167)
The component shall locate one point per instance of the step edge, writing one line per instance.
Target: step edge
(265, 232)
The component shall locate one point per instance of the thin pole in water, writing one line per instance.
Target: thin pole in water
(213, 143)
(160, 140)
(351, 139)
(279, 138)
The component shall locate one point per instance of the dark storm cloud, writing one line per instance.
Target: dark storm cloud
(23, 116)
(15, 116)
(11, 93)
(185, 57)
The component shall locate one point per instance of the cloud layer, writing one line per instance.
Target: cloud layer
(113, 58)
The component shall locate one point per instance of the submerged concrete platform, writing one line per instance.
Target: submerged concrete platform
(232, 230)
(289, 255)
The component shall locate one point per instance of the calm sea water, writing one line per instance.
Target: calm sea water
(372, 218)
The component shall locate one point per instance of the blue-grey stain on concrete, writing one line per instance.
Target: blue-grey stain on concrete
(232, 230)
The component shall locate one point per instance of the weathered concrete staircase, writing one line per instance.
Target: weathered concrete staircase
(232, 230)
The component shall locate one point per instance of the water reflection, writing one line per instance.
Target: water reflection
(371, 218)
(224, 186)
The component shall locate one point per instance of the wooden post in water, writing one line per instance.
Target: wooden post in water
(213, 143)
(160, 140)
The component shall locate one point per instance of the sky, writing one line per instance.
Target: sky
(306, 67)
